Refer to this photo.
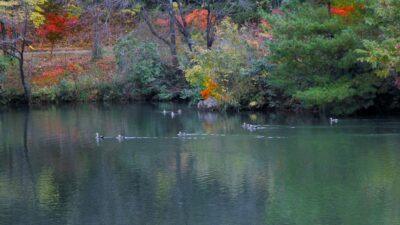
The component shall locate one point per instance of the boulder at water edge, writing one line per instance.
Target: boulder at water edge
(210, 104)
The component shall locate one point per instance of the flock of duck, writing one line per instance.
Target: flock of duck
(181, 134)
(254, 127)
(172, 113)
(247, 126)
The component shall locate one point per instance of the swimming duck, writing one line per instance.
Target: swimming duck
(98, 136)
(333, 120)
(119, 137)
(179, 111)
(181, 134)
(251, 126)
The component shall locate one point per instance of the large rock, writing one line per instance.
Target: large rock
(210, 104)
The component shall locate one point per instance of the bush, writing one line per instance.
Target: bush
(139, 63)
(67, 90)
(45, 94)
(257, 91)
(4, 64)
(231, 71)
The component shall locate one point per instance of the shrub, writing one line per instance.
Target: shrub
(49, 77)
(256, 91)
(4, 64)
(45, 94)
(10, 85)
(67, 90)
(228, 71)
(139, 63)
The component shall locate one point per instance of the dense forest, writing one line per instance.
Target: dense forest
(335, 56)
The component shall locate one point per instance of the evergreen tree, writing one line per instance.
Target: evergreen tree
(317, 62)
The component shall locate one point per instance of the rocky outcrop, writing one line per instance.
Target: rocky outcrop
(210, 104)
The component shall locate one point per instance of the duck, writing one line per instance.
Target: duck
(98, 136)
(172, 114)
(119, 137)
(179, 111)
(164, 112)
(181, 134)
(333, 120)
(251, 126)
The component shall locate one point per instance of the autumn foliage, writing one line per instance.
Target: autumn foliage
(50, 77)
(345, 10)
(197, 18)
(210, 89)
(53, 76)
(7, 30)
(56, 27)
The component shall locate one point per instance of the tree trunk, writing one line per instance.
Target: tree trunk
(24, 43)
(184, 27)
(3, 35)
(14, 37)
(172, 35)
(189, 39)
(171, 43)
(329, 6)
(96, 49)
(210, 28)
(27, 93)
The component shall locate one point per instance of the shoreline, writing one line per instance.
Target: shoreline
(366, 113)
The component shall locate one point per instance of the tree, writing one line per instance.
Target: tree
(383, 49)
(189, 23)
(316, 59)
(15, 16)
(3, 33)
(170, 41)
(100, 12)
(7, 13)
(205, 15)
(217, 10)
(225, 73)
(55, 27)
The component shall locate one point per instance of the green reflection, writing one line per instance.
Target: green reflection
(52, 171)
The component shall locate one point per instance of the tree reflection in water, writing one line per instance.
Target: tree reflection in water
(53, 172)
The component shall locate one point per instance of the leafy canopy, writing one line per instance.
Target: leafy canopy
(316, 58)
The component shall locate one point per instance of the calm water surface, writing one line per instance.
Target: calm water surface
(296, 171)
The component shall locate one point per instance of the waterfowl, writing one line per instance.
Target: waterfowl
(333, 120)
(119, 137)
(179, 111)
(172, 114)
(251, 126)
(99, 136)
(181, 134)
(164, 112)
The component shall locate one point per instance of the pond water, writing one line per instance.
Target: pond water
(297, 170)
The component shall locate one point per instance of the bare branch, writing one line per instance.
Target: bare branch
(146, 18)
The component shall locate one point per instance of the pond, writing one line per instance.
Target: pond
(293, 170)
